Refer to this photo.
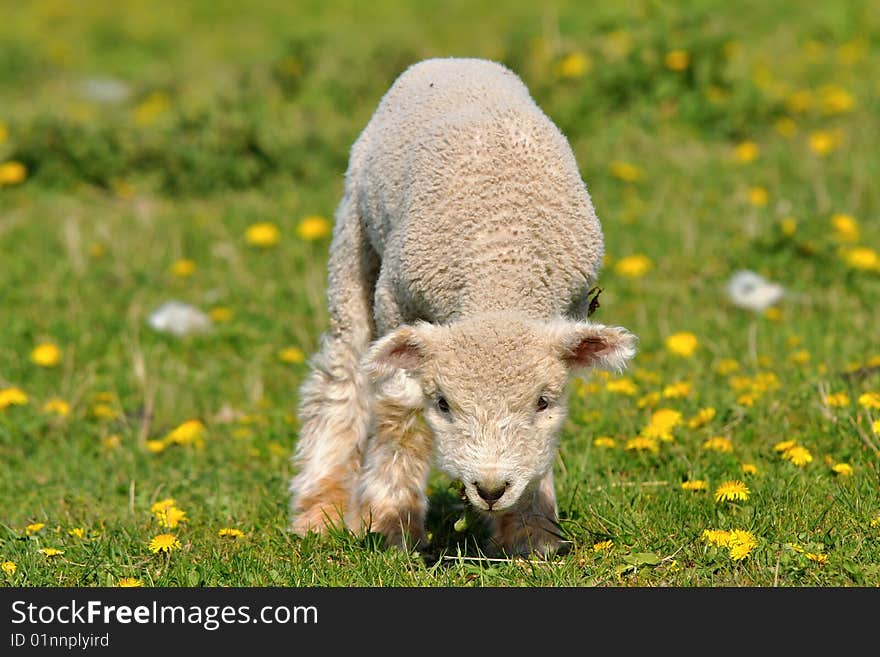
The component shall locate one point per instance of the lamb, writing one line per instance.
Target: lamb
(464, 249)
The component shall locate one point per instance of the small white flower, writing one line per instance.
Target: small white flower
(179, 319)
(752, 291)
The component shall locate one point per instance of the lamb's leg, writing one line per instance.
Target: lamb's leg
(390, 496)
(334, 405)
(532, 528)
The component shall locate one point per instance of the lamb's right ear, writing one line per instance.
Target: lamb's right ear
(405, 348)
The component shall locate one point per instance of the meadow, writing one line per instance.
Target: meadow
(158, 151)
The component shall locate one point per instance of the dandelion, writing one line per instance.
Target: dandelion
(46, 354)
(601, 546)
(718, 537)
(819, 557)
(661, 424)
(12, 173)
(220, 314)
(798, 455)
(788, 226)
(292, 355)
(786, 127)
(33, 528)
(183, 268)
(842, 469)
(800, 101)
(836, 100)
(57, 407)
(76, 532)
(163, 505)
(757, 196)
(151, 108)
(8, 567)
(846, 228)
(784, 446)
(726, 366)
(746, 151)
(822, 142)
(12, 397)
(682, 344)
(696, 484)
(191, 431)
(573, 65)
(313, 228)
(837, 399)
(622, 386)
(677, 60)
(604, 441)
(701, 418)
(800, 357)
(862, 258)
(51, 552)
(875, 521)
(740, 543)
(129, 582)
(642, 444)
(230, 532)
(112, 442)
(170, 517)
(732, 491)
(649, 400)
(164, 543)
(870, 400)
(718, 444)
(263, 234)
(677, 390)
(633, 266)
(625, 171)
(156, 445)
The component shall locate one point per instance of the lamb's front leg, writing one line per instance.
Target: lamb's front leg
(534, 527)
(390, 495)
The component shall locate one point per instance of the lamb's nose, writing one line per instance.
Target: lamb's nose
(491, 491)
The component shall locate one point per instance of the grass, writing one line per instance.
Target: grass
(229, 116)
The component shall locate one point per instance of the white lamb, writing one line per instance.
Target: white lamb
(464, 249)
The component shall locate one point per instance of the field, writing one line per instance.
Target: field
(158, 151)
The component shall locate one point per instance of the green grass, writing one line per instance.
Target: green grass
(241, 113)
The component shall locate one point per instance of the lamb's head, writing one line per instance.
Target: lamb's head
(493, 392)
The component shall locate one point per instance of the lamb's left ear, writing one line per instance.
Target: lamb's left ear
(583, 344)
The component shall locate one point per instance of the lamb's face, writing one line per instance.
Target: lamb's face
(494, 394)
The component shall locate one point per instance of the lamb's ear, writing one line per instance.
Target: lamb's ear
(405, 348)
(595, 345)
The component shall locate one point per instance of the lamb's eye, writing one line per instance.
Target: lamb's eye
(442, 404)
(543, 404)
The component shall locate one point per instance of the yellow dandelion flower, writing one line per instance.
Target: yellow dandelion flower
(633, 266)
(151, 108)
(263, 234)
(875, 521)
(800, 101)
(875, 425)
(51, 552)
(12, 173)
(701, 418)
(819, 557)
(622, 386)
(573, 65)
(682, 344)
(46, 354)
(757, 196)
(870, 400)
(230, 532)
(846, 228)
(625, 171)
(164, 543)
(836, 100)
(649, 400)
(732, 491)
(163, 505)
(788, 226)
(746, 151)
(862, 258)
(718, 444)
(726, 366)
(189, 432)
(749, 468)
(677, 390)
(662, 422)
(642, 444)
(696, 484)
(156, 445)
(33, 528)
(183, 268)
(76, 532)
(837, 399)
(604, 441)
(773, 313)
(12, 397)
(57, 407)
(129, 582)
(220, 314)
(786, 127)
(111, 442)
(677, 60)
(842, 469)
(740, 543)
(822, 142)
(8, 567)
(746, 399)
(798, 455)
(801, 357)
(720, 537)
(785, 445)
(313, 228)
(103, 412)
(601, 546)
(171, 517)
(292, 355)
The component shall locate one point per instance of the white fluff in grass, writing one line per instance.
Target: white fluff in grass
(179, 319)
(752, 291)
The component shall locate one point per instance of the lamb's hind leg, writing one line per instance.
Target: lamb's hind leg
(334, 406)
